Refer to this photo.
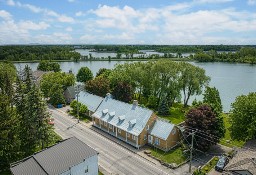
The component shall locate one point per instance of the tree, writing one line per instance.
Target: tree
(51, 79)
(123, 91)
(243, 117)
(192, 80)
(9, 125)
(84, 74)
(99, 86)
(56, 95)
(203, 121)
(163, 108)
(48, 66)
(104, 72)
(82, 108)
(212, 98)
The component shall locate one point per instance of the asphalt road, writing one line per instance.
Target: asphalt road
(112, 157)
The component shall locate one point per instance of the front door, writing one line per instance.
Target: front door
(150, 139)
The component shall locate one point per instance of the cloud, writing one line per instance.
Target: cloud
(60, 17)
(80, 13)
(211, 1)
(5, 15)
(10, 2)
(251, 2)
(29, 25)
(69, 29)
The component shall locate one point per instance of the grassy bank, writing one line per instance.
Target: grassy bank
(227, 140)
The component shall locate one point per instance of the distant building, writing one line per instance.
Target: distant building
(36, 76)
(70, 94)
(68, 157)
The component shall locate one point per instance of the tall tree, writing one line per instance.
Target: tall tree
(192, 80)
(99, 86)
(84, 74)
(243, 117)
(203, 121)
(163, 108)
(123, 91)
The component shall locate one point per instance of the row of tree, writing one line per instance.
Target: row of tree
(149, 82)
(46, 65)
(24, 126)
(244, 55)
(38, 52)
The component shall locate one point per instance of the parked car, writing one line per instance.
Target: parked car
(222, 162)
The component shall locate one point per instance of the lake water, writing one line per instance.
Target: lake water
(231, 80)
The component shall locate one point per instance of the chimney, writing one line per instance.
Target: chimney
(135, 102)
(108, 95)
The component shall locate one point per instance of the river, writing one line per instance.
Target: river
(231, 80)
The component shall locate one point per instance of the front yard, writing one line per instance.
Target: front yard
(173, 156)
(226, 140)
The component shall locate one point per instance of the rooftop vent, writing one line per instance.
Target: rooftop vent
(135, 102)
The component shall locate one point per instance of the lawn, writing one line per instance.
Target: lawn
(207, 168)
(177, 114)
(227, 141)
(173, 156)
(100, 173)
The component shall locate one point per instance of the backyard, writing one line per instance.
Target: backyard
(226, 140)
(177, 114)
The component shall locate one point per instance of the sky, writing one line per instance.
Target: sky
(161, 22)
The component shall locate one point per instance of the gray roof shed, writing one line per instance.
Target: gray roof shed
(162, 129)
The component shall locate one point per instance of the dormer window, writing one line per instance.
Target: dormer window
(121, 118)
(132, 123)
(105, 111)
(112, 114)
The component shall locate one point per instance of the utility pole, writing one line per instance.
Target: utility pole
(191, 151)
(77, 95)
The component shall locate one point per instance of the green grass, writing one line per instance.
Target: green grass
(177, 114)
(227, 136)
(207, 168)
(173, 156)
(100, 173)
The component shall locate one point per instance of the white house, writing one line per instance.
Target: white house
(68, 157)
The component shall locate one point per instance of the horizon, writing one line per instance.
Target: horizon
(128, 22)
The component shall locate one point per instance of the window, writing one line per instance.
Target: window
(110, 126)
(119, 131)
(174, 131)
(147, 127)
(145, 137)
(157, 142)
(133, 137)
(101, 122)
(106, 123)
(128, 134)
(86, 170)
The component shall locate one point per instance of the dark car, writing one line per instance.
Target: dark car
(222, 162)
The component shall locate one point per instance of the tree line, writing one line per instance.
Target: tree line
(38, 52)
(244, 55)
(24, 127)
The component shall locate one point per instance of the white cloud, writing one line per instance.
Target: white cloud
(251, 2)
(10, 2)
(212, 1)
(69, 29)
(60, 17)
(29, 25)
(80, 13)
(5, 15)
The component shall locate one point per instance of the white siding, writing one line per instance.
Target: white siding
(79, 169)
